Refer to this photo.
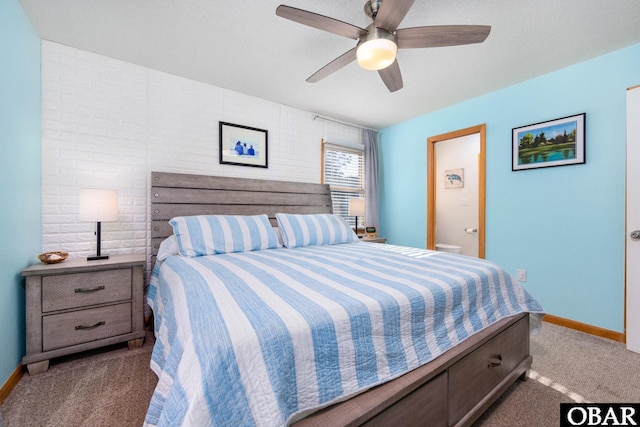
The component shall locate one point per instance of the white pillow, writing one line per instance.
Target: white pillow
(310, 230)
(220, 234)
(168, 247)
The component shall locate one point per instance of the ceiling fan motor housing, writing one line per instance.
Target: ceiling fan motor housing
(375, 33)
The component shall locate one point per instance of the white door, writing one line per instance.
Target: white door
(469, 234)
(457, 198)
(633, 220)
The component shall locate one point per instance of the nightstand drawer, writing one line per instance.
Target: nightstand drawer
(77, 327)
(79, 305)
(64, 291)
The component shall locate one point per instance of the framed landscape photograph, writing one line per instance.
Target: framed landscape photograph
(556, 142)
(243, 145)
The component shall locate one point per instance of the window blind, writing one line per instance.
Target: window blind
(343, 170)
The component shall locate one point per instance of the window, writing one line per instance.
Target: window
(343, 170)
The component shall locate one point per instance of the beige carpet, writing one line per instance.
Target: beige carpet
(568, 366)
(113, 387)
(106, 388)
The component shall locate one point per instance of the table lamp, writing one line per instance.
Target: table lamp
(98, 205)
(356, 208)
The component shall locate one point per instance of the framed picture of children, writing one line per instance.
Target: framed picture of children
(243, 145)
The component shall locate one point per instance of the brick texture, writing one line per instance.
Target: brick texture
(109, 124)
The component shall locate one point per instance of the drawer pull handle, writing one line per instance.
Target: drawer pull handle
(494, 362)
(84, 328)
(88, 290)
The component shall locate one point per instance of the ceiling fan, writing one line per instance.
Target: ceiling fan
(378, 43)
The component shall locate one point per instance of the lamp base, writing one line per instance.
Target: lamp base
(98, 255)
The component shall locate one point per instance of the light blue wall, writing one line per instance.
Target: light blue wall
(564, 225)
(20, 216)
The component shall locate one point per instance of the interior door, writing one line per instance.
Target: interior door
(633, 221)
(445, 183)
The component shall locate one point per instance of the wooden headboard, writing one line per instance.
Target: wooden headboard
(174, 194)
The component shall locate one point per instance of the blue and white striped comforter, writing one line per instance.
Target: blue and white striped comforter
(264, 337)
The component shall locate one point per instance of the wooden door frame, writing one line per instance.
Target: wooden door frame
(431, 183)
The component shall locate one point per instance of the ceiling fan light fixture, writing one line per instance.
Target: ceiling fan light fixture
(377, 49)
(376, 54)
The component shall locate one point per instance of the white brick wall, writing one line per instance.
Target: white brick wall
(109, 124)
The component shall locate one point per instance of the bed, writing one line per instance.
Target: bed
(304, 325)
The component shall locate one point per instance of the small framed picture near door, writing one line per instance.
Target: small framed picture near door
(243, 145)
(556, 142)
(454, 178)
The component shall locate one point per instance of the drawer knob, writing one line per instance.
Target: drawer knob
(88, 290)
(494, 362)
(84, 328)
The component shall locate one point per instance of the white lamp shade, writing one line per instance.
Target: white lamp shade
(98, 205)
(356, 207)
(376, 54)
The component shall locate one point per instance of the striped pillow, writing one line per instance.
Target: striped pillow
(220, 234)
(311, 230)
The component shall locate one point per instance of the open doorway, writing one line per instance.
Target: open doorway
(448, 177)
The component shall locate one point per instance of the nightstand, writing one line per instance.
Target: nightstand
(79, 305)
(375, 240)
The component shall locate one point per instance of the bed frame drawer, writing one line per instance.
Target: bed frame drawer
(479, 372)
(457, 389)
(77, 327)
(76, 290)
(427, 406)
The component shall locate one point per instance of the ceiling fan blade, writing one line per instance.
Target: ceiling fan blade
(391, 13)
(320, 22)
(441, 35)
(333, 66)
(392, 77)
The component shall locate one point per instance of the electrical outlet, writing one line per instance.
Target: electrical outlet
(521, 275)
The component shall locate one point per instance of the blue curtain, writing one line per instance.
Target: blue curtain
(372, 213)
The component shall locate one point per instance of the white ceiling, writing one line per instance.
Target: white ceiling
(243, 46)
